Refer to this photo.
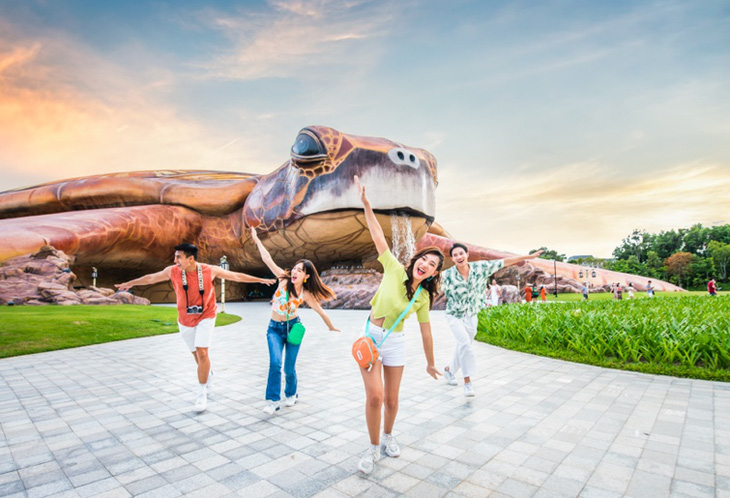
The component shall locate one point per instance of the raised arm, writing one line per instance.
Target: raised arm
(314, 304)
(517, 259)
(217, 271)
(376, 231)
(266, 257)
(152, 278)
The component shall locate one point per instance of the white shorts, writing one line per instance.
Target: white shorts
(198, 336)
(393, 350)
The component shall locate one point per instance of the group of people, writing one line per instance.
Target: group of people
(403, 291)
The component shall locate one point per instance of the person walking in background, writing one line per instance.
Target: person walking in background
(631, 291)
(543, 294)
(584, 290)
(528, 293)
(649, 289)
(196, 305)
(494, 293)
(300, 285)
(463, 286)
(402, 292)
(712, 287)
(619, 291)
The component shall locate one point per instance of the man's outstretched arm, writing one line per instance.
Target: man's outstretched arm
(152, 278)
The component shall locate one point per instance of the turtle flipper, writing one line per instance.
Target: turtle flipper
(209, 192)
(137, 237)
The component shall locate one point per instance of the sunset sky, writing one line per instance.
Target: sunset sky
(564, 124)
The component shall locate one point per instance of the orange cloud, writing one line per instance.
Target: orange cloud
(66, 111)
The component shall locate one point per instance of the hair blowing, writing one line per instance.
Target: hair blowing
(432, 286)
(313, 283)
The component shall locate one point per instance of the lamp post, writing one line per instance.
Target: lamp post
(94, 274)
(590, 272)
(224, 267)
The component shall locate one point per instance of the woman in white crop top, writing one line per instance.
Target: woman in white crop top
(301, 285)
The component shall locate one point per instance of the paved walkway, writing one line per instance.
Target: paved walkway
(116, 420)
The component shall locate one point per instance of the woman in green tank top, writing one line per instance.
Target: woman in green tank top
(396, 290)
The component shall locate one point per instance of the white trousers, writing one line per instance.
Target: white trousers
(464, 330)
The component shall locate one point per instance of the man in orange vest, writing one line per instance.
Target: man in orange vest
(196, 305)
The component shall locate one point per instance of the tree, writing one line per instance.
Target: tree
(549, 254)
(703, 270)
(695, 239)
(720, 253)
(637, 243)
(680, 265)
(720, 233)
(654, 267)
(667, 243)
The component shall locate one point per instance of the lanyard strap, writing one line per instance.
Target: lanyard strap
(405, 311)
(200, 285)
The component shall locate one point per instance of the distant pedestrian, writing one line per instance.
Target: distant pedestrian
(649, 289)
(619, 291)
(631, 291)
(584, 290)
(528, 293)
(712, 287)
(543, 294)
(495, 293)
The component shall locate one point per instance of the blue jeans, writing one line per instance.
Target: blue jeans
(276, 337)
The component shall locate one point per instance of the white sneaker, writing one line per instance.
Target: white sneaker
(450, 377)
(272, 407)
(391, 445)
(469, 390)
(291, 400)
(201, 403)
(369, 459)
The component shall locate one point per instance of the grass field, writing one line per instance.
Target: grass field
(676, 334)
(34, 329)
(607, 296)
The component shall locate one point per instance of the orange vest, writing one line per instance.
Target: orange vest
(194, 297)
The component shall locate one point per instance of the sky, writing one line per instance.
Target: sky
(559, 123)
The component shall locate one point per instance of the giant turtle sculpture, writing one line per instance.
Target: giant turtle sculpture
(126, 224)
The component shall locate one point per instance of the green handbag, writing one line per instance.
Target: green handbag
(295, 334)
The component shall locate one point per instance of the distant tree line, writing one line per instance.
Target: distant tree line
(688, 257)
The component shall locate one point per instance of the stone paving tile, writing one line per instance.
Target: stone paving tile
(537, 427)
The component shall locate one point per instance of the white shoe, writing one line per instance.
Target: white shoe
(369, 459)
(291, 400)
(391, 445)
(201, 403)
(272, 407)
(450, 377)
(469, 390)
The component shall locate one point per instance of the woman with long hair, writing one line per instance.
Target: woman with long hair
(396, 291)
(300, 285)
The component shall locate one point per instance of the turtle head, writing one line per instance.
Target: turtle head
(319, 178)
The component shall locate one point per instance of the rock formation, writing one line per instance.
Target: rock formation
(45, 277)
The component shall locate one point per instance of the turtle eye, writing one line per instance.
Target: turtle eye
(307, 148)
(404, 157)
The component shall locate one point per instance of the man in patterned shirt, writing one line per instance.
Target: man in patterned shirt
(464, 286)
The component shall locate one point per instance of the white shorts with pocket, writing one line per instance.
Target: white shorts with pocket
(198, 336)
(393, 350)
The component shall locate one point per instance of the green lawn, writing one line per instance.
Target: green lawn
(607, 296)
(33, 329)
(678, 334)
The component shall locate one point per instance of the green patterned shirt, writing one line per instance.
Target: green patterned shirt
(468, 297)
